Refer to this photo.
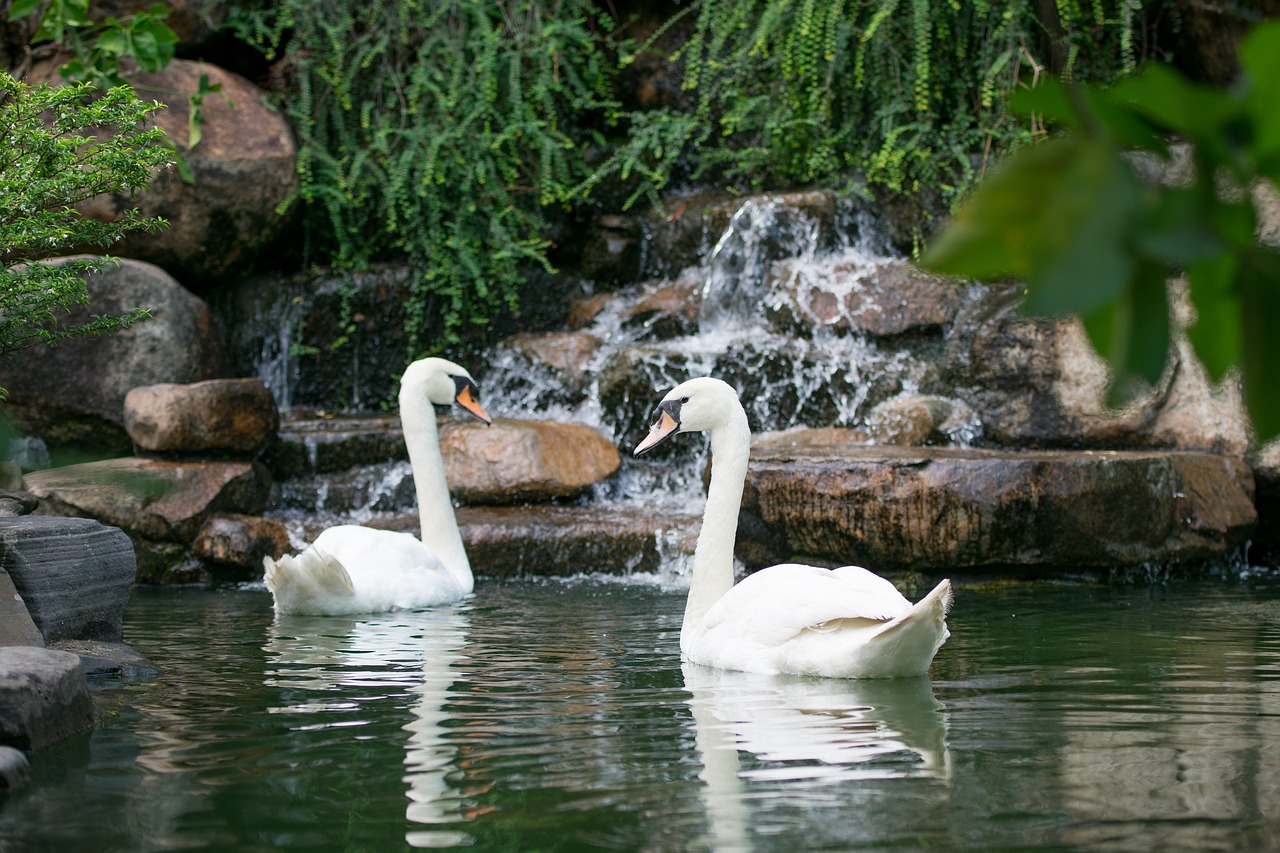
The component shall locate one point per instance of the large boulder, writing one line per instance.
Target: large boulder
(243, 167)
(74, 394)
(43, 697)
(236, 417)
(516, 461)
(157, 500)
(956, 510)
(74, 575)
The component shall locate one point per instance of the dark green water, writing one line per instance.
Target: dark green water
(558, 717)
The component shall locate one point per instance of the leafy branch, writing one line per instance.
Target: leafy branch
(51, 161)
(1071, 219)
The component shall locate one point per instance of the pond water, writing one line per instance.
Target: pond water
(558, 716)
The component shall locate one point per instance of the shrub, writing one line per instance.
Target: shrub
(56, 152)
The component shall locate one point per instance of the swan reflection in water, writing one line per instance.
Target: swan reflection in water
(806, 729)
(396, 654)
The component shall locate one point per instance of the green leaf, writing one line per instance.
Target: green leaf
(1177, 230)
(21, 8)
(1215, 334)
(1260, 304)
(1132, 334)
(1260, 61)
(1080, 258)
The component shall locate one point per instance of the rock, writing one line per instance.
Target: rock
(14, 502)
(682, 234)
(613, 251)
(15, 770)
(43, 697)
(881, 299)
(244, 166)
(666, 309)
(74, 394)
(161, 500)
(324, 340)
(584, 310)
(73, 574)
(917, 419)
(1040, 383)
(514, 461)
(308, 444)
(566, 354)
(16, 626)
(109, 660)
(10, 475)
(561, 541)
(951, 509)
(232, 416)
(240, 540)
(1265, 546)
(29, 452)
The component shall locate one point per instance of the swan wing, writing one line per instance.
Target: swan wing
(773, 605)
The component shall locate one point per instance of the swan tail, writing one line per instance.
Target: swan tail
(308, 583)
(907, 644)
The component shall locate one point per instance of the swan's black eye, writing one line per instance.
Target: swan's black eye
(684, 400)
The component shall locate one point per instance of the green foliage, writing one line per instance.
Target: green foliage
(99, 46)
(443, 133)
(438, 133)
(56, 155)
(903, 92)
(1070, 218)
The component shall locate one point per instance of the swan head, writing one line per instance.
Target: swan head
(443, 383)
(693, 406)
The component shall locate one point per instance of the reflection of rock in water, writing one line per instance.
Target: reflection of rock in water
(417, 652)
(805, 728)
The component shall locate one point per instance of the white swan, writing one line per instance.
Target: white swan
(790, 618)
(355, 569)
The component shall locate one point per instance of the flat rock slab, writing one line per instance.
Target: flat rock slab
(74, 575)
(164, 501)
(946, 509)
(43, 697)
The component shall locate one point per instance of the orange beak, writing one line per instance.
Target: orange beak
(664, 427)
(467, 399)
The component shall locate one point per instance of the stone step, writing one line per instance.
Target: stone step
(561, 541)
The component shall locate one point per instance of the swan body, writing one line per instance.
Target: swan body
(354, 569)
(789, 618)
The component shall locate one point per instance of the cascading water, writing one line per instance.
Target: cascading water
(772, 306)
(818, 377)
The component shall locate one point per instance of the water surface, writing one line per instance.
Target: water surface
(558, 716)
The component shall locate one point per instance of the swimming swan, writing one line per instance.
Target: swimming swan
(355, 569)
(790, 618)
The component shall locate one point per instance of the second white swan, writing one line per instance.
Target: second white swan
(354, 569)
(789, 618)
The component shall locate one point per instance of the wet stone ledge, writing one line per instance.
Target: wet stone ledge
(952, 510)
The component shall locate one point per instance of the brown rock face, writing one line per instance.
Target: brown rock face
(234, 416)
(514, 461)
(154, 499)
(243, 166)
(949, 509)
(74, 393)
(240, 540)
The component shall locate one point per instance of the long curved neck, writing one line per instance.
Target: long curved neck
(713, 556)
(435, 507)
